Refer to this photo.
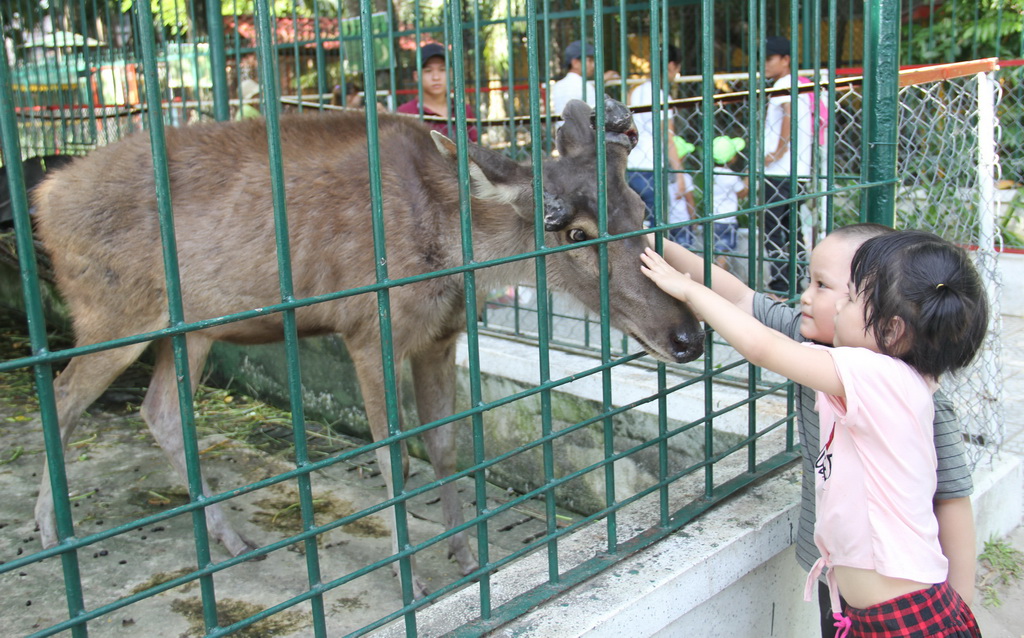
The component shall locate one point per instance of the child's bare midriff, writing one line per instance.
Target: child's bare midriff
(863, 588)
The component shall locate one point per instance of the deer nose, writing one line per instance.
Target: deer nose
(687, 345)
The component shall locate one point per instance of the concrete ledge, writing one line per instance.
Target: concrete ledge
(520, 362)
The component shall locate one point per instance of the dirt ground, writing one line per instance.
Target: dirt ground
(117, 474)
(1005, 620)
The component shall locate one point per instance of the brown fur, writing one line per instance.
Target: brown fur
(97, 219)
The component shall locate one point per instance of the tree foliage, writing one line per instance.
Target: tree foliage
(959, 30)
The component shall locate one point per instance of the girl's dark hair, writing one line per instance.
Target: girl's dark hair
(932, 287)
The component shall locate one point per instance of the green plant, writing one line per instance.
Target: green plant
(1003, 565)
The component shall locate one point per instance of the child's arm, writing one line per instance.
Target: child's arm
(758, 343)
(691, 205)
(722, 282)
(956, 536)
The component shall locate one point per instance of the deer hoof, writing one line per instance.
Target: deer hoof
(237, 545)
(467, 563)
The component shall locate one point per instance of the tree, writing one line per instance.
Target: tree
(958, 30)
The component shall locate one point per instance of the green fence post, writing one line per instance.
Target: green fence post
(881, 102)
(218, 60)
(267, 59)
(43, 372)
(146, 38)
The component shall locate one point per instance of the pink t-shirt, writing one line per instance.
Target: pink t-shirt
(876, 470)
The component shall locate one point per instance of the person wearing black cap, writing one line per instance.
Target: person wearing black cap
(433, 77)
(572, 86)
(778, 142)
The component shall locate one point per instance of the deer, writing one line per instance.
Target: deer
(97, 219)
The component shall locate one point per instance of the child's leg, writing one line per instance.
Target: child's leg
(643, 183)
(683, 236)
(726, 240)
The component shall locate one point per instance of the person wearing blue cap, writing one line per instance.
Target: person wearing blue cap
(572, 85)
(433, 77)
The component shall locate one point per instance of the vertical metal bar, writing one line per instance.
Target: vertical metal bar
(758, 103)
(321, 60)
(510, 109)
(89, 102)
(147, 43)
(478, 94)
(419, 59)
(472, 334)
(659, 28)
(656, 58)
(401, 530)
(267, 58)
(830, 159)
(297, 58)
(543, 298)
(707, 48)
(602, 225)
(392, 58)
(548, 126)
(624, 49)
(796, 106)
(42, 372)
(218, 59)
(881, 104)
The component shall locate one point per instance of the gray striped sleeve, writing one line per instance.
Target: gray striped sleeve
(954, 473)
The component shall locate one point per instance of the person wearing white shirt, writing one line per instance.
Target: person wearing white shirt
(727, 190)
(640, 161)
(572, 85)
(778, 138)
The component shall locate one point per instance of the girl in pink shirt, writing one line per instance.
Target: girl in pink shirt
(915, 309)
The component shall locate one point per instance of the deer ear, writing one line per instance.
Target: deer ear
(492, 175)
(444, 145)
(576, 138)
(576, 135)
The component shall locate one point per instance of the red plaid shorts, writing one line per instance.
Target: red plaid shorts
(936, 612)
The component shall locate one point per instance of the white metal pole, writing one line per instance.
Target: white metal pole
(989, 359)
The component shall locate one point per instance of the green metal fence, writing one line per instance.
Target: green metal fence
(174, 62)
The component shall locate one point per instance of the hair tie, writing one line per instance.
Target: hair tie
(940, 286)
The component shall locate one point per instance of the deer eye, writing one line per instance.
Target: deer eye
(577, 235)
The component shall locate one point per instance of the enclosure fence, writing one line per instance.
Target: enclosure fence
(653, 463)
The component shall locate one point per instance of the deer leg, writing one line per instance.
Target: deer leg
(434, 380)
(82, 382)
(161, 412)
(371, 384)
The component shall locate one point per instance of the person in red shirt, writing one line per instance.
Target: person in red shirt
(433, 77)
